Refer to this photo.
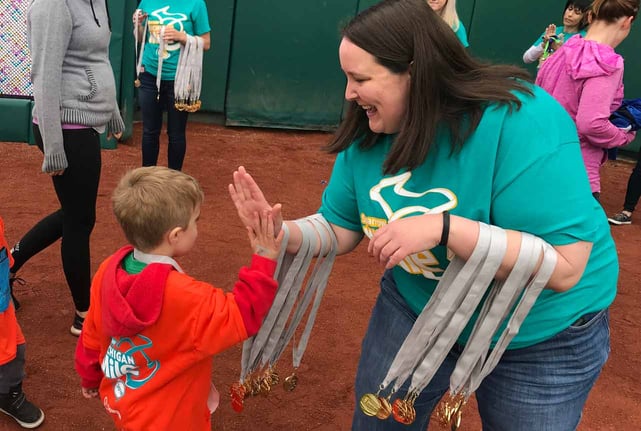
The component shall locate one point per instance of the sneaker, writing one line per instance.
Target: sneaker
(76, 327)
(16, 405)
(13, 279)
(620, 218)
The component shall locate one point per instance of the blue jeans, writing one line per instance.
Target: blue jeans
(541, 387)
(152, 106)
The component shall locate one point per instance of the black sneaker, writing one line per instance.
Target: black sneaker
(620, 218)
(13, 279)
(16, 405)
(76, 327)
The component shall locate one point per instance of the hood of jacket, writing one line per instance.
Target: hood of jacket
(131, 302)
(589, 59)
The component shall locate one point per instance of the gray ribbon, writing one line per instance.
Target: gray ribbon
(460, 290)
(472, 291)
(142, 43)
(451, 289)
(273, 336)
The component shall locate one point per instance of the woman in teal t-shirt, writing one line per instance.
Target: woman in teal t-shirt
(175, 19)
(431, 131)
(446, 9)
(575, 20)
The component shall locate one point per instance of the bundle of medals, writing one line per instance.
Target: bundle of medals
(188, 80)
(261, 353)
(259, 384)
(462, 287)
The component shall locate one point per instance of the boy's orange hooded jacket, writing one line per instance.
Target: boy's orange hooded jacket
(149, 338)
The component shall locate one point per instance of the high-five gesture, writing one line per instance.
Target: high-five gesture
(249, 199)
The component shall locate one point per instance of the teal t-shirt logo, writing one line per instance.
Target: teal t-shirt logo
(163, 18)
(396, 202)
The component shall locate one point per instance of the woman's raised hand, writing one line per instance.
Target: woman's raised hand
(249, 200)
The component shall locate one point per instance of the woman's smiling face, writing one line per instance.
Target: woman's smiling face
(382, 93)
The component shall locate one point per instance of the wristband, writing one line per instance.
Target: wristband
(445, 233)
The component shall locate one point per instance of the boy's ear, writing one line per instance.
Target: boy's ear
(174, 234)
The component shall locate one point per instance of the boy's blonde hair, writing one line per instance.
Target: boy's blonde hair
(149, 202)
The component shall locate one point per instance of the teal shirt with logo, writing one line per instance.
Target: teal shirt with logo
(521, 171)
(189, 16)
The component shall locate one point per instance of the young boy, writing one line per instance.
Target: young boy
(151, 330)
(13, 401)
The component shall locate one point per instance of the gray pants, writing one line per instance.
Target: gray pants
(12, 373)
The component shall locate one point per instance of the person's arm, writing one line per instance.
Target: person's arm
(533, 53)
(49, 29)
(400, 238)
(248, 198)
(173, 35)
(593, 113)
(88, 368)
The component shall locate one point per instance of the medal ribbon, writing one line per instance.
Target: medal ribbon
(272, 337)
(450, 292)
(466, 380)
(142, 43)
(315, 287)
(161, 51)
(188, 80)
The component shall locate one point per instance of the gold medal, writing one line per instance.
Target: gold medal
(274, 378)
(265, 386)
(450, 411)
(255, 387)
(385, 410)
(290, 382)
(403, 411)
(137, 83)
(370, 404)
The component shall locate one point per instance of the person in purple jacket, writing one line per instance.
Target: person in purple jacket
(586, 76)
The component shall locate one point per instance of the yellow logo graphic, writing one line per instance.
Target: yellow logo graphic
(424, 262)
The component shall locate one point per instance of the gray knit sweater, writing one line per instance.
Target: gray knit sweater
(73, 82)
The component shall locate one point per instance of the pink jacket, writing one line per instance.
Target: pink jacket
(586, 77)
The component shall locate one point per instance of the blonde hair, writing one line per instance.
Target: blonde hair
(149, 202)
(449, 15)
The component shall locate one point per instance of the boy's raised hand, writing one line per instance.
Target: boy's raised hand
(261, 236)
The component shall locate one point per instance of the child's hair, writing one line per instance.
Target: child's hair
(612, 10)
(584, 6)
(449, 15)
(149, 202)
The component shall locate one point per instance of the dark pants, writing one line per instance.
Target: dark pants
(152, 106)
(77, 190)
(633, 192)
(12, 373)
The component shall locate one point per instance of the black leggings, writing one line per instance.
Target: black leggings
(633, 191)
(77, 190)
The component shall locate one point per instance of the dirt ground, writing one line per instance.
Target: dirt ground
(291, 170)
